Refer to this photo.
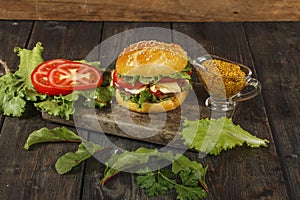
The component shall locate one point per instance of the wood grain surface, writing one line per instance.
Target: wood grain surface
(269, 49)
(259, 166)
(152, 10)
(281, 90)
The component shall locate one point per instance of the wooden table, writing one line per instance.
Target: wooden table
(271, 49)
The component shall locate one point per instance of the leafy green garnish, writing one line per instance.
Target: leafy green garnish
(29, 59)
(192, 174)
(127, 160)
(145, 96)
(63, 106)
(55, 135)
(146, 80)
(140, 98)
(181, 162)
(100, 97)
(155, 183)
(16, 88)
(60, 105)
(191, 185)
(215, 135)
(66, 162)
(96, 64)
(85, 150)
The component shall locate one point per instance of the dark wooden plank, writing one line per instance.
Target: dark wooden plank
(242, 173)
(277, 60)
(31, 174)
(69, 40)
(152, 10)
(13, 34)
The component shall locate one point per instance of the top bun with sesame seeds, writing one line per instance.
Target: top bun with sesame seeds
(151, 58)
(152, 76)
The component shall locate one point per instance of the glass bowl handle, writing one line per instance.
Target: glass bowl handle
(254, 91)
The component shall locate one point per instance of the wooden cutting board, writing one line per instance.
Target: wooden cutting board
(157, 128)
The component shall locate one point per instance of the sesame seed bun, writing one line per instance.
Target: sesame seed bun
(151, 58)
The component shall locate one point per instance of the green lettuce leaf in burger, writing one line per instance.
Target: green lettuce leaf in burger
(152, 76)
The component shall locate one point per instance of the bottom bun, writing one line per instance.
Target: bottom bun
(163, 106)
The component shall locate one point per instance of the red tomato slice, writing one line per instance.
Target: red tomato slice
(119, 82)
(156, 93)
(40, 80)
(75, 76)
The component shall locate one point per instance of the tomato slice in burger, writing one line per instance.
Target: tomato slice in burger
(119, 82)
(75, 76)
(156, 93)
(40, 77)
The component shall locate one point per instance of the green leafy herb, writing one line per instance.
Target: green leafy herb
(214, 135)
(181, 162)
(192, 174)
(155, 183)
(126, 160)
(190, 186)
(100, 97)
(71, 159)
(54, 135)
(85, 150)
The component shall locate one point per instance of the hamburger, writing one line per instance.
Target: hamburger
(152, 76)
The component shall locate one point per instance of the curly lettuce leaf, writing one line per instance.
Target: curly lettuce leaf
(12, 101)
(29, 59)
(184, 74)
(16, 88)
(215, 135)
(63, 106)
